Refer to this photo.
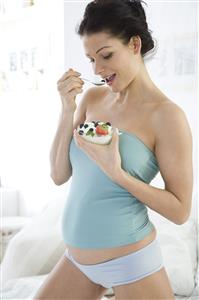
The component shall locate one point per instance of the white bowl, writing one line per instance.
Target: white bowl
(96, 139)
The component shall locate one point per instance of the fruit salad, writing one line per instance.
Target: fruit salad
(96, 132)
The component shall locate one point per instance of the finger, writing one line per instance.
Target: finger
(74, 92)
(67, 74)
(81, 143)
(73, 86)
(68, 84)
(115, 137)
(68, 88)
(70, 80)
(86, 145)
(76, 137)
(80, 140)
(115, 133)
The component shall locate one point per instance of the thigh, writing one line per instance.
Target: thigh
(66, 281)
(155, 286)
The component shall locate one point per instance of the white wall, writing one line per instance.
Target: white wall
(28, 117)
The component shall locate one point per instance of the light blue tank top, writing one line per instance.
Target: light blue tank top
(100, 213)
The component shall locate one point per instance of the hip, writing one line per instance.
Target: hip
(94, 256)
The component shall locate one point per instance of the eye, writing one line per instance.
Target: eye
(104, 57)
(91, 60)
(108, 56)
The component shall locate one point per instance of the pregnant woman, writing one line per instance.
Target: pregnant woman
(110, 240)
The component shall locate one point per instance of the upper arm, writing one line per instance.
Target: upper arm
(174, 152)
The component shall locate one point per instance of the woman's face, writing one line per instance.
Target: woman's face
(112, 60)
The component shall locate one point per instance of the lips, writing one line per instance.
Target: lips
(109, 79)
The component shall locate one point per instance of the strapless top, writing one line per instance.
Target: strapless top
(100, 213)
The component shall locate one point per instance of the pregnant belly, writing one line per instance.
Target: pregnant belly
(88, 257)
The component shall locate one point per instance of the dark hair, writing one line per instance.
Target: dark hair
(120, 18)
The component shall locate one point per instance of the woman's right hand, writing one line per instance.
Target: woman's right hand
(69, 85)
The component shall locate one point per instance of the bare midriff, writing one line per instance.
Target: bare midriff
(94, 256)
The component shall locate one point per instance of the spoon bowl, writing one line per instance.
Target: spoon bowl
(95, 82)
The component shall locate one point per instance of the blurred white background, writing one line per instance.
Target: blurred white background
(38, 43)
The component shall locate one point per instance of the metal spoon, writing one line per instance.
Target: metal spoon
(98, 83)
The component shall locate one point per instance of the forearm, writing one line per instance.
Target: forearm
(159, 200)
(59, 154)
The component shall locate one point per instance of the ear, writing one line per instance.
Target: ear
(135, 44)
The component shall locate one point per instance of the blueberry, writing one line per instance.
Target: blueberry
(86, 125)
(108, 123)
(81, 125)
(81, 132)
(91, 129)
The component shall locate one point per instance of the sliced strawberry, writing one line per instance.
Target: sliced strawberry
(101, 130)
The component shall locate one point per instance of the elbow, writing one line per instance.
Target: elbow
(59, 181)
(183, 211)
(182, 218)
(181, 221)
(56, 181)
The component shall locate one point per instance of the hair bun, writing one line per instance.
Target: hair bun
(121, 19)
(136, 7)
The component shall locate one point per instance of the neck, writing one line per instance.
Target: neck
(139, 89)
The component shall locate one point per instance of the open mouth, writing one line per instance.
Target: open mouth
(109, 79)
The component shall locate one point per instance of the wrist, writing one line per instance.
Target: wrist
(119, 176)
(67, 114)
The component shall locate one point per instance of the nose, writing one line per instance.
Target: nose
(98, 68)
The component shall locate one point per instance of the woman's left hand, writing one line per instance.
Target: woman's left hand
(106, 156)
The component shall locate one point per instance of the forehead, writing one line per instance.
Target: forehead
(93, 42)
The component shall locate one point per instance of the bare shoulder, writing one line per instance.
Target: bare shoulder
(89, 98)
(166, 108)
(94, 94)
(169, 119)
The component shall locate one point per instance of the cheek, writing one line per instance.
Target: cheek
(126, 69)
(125, 64)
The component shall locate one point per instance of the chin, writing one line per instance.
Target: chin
(115, 90)
(118, 89)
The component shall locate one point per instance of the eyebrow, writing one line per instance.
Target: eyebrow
(100, 49)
